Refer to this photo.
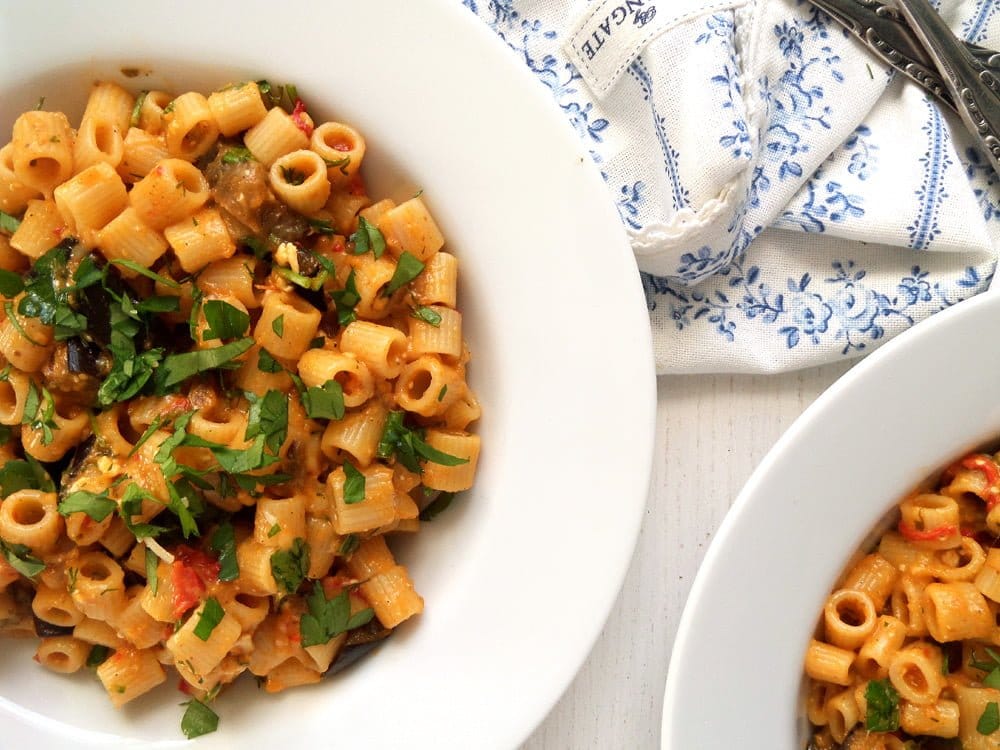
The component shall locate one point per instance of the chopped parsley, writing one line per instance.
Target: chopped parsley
(368, 237)
(408, 446)
(989, 722)
(991, 666)
(40, 412)
(198, 719)
(341, 164)
(292, 176)
(9, 223)
(237, 155)
(348, 545)
(328, 618)
(137, 109)
(224, 320)
(427, 314)
(11, 284)
(274, 530)
(267, 363)
(437, 506)
(177, 368)
(408, 267)
(211, 615)
(20, 558)
(268, 417)
(346, 300)
(883, 707)
(223, 544)
(152, 576)
(442, 392)
(25, 474)
(324, 402)
(354, 484)
(289, 566)
(96, 506)
(278, 325)
(322, 226)
(97, 656)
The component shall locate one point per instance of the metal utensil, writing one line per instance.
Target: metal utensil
(973, 86)
(881, 27)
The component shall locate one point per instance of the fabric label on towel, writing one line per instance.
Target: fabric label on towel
(610, 34)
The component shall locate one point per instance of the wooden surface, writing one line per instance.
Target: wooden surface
(711, 432)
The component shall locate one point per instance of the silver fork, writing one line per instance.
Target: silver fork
(974, 87)
(880, 26)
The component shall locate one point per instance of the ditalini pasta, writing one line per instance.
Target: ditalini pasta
(907, 651)
(227, 376)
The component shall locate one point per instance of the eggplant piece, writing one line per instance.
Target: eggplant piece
(349, 655)
(360, 642)
(83, 357)
(45, 629)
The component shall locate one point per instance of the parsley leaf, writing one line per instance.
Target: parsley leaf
(224, 320)
(198, 719)
(278, 325)
(223, 543)
(98, 655)
(328, 618)
(40, 412)
(20, 558)
(408, 267)
(268, 417)
(437, 506)
(11, 284)
(143, 271)
(131, 505)
(267, 363)
(324, 402)
(211, 615)
(97, 506)
(349, 545)
(883, 707)
(292, 176)
(408, 446)
(427, 314)
(354, 484)
(236, 155)
(177, 368)
(24, 475)
(9, 223)
(289, 566)
(152, 564)
(346, 300)
(989, 722)
(133, 121)
(368, 237)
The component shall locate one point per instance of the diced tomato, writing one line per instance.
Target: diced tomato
(184, 686)
(187, 588)
(356, 186)
(916, 535)
(190, 574)
(301, 122)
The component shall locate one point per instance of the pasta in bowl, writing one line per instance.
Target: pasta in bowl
(228, 375)
(906, 651)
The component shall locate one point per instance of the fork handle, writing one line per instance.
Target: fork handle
(974, 88)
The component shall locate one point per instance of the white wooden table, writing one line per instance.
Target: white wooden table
(711, 432)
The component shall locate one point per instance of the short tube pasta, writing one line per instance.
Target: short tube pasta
(227, 375)
(913, 623)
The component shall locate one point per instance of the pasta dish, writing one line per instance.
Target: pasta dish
(227, 375)
(907, 652)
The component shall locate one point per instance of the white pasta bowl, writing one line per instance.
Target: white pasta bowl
(899, 416)
(520, 574)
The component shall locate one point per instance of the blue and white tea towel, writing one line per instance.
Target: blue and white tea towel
(790, 201)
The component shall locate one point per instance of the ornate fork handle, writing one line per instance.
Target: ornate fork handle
(974, 87)
(881, 29)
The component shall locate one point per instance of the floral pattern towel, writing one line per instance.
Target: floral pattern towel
(789, 199)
